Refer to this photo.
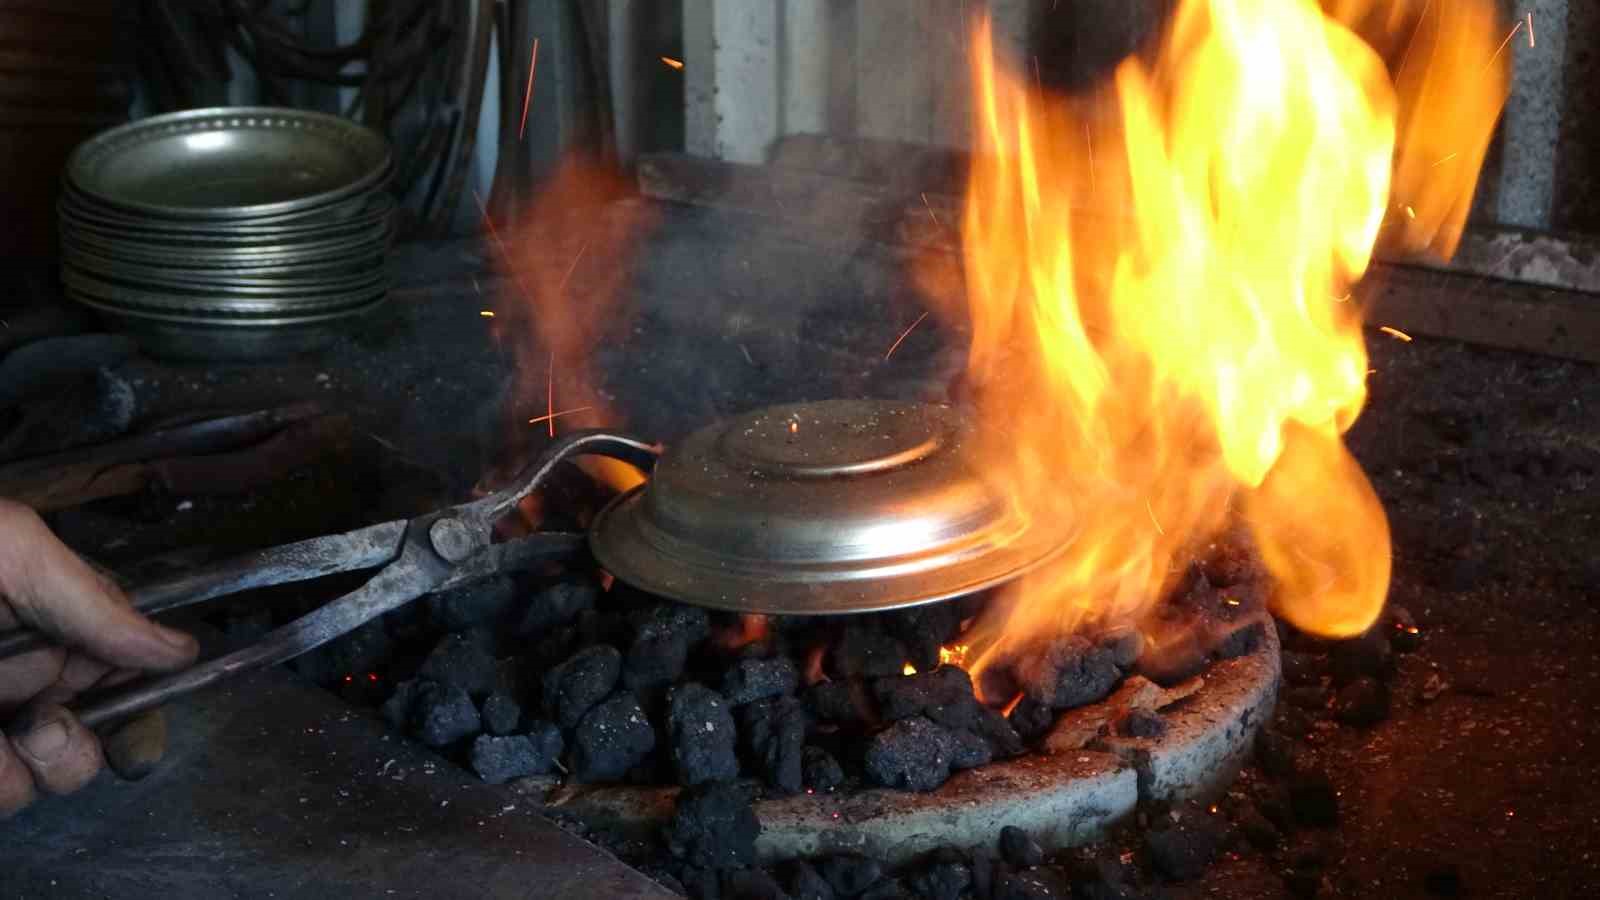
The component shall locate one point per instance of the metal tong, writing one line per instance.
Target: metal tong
(418, 557)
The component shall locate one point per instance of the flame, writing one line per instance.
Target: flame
(1154, 283)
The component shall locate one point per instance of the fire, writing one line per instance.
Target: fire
(1156, 277)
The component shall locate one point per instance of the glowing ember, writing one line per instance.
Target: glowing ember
(953, 655)
(1180, 357)
(908, 669)
(673, 63)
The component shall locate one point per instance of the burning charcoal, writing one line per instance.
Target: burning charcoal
(888, 889)
(557, 604)
(611, 739)
(1364, 701)
(1301, 668)
(943, 695)
(850, 875)
(1031, 718)
(1314, 801)
(775, 732)
(487, 601)
(1067, 673)
(501, 715)
(713, 827)
(702, 733)
(361, 651)
(945, 878)
(819, 770)
(1180, 660)
(996, 729)
(500, 759)
(1275, 754)
(397, 709)
(1231, 640)
(585, 679)
(1019, 849)
(1233, 560)
(924, 630)
(461, 660)
(751, 884)
(1404, 635)
(866, 652)
(664, 636)
(1259, 831)
(806, 883)
(443, 714)
(1125, 645)
(836, 701)
(1041, 883)
(968, 750)
(912, 754)
(1367, 656)
(1142, 723)
(749, 680)
(1184, 848)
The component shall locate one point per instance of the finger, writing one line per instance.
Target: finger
(16, 782)
(61, 754)
(133, 750)
(57, 592)
(22, 677)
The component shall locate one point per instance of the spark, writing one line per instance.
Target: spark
(1411, 212)
(1088, 137)
(1531, 42)
(486, 313)
(794, 427)
(901, 339)
(1443, 161)
(929, 207)
(1516, 28)
(527, 96)
(1395, 332)
(673, 63)
(1153, 520)
(565, 412)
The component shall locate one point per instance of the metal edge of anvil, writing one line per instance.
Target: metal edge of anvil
(1064, 800)
(273, 787)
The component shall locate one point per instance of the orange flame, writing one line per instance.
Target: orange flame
(1180, 355)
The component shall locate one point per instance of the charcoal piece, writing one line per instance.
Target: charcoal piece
(837, 701)
(664, 635)
(850, 874)
(864, 651)
(819, 770)
(924, 630)
(887, 889)
(775, 731)
(1019, 848)
(1274, 753)
(1183, 849)
(1259, 830)
(1066, 673)
(1302, 884)
(461, 660)
(397, 709)
(612, 738)
(806, 883)
(1178, 661)
(997, 730)
(749, 680)
(1314, 801)
(969, 750)
(1273, 802)
(985, 867)
(702, 884)
(557, 604)
(751, 884)
(1040, 883)
(1302, 668)
(576, 685)
(1031, 719)
(943, 695)
(1142, 723)
(713, 827)
(702, 734)
(1362, 702)
(501, 715)
(1101, 878)
(1404, 635)
(1233, 560)
(1311, 697)
(1125, 646)
(1293, 722)
(487, 601)
(941, 880)
(1231, 640)
(547, 740)
(1368, 656)
(443, 714)
(356, 654)
(500, 759)
(912, 754)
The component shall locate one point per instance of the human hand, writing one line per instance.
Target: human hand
(44, 585)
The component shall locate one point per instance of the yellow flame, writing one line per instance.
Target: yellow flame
(1154, 282)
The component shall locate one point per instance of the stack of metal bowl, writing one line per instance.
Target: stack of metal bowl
(240, 232)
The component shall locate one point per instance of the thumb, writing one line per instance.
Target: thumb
(55, 591)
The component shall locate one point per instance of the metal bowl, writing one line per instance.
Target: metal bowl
(841, 506)
(348, 216)
(238, 339)
(229, 163)
(223, 301)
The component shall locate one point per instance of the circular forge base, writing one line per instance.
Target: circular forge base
(1062, 799)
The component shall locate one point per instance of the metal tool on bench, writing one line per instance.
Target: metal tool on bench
(418, 556)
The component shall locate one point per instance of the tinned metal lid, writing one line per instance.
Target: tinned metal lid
(840, 506)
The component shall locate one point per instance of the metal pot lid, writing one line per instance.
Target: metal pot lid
(840, 506)
(229, 163)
